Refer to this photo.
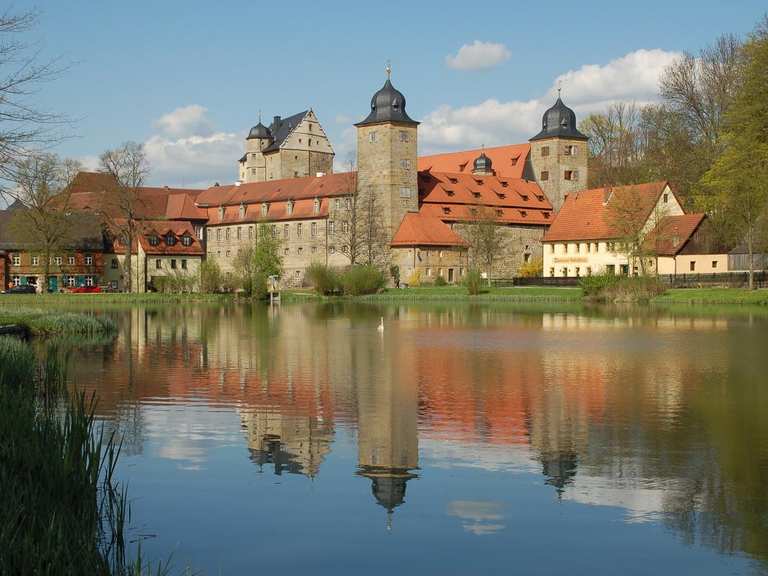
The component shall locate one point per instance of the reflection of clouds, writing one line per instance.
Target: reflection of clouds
(480, 517)
(445, 454)
(186, 434)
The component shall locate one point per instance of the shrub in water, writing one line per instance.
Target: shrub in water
(324, 279)
(473, 281)
(359, 280)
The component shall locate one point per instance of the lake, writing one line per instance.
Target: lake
(463, 439)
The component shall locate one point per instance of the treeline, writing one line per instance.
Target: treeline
(708, 135)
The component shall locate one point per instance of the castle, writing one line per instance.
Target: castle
(424, 205)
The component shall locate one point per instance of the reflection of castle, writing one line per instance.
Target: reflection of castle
(296, 444)
(388, 445)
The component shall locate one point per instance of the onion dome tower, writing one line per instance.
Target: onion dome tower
(558, 156)
(482, 165)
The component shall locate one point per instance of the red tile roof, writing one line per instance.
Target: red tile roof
(585, 215)
(161, 228)
(279, 190)
(303, 209)
(453, 197)
(416, 229)
(508, 161)
(672, 233)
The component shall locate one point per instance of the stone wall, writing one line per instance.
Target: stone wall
(386, 165)
(522, 244)
(551, 159)
(431, 262)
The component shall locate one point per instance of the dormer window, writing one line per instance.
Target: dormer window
(242, 210)
(317, 206)
(501, 195)
(221, 212)
(504, 183)
(186, 240)
(473, 211)
(499, 212)
(478, 181)
(540, 198)
(289, 207)
(264, 209)
(154, 240)
(453, 180)
(524, 197)
(523, 213)
(446, 210)
(170, 239)
(449, 192)
(476, 194)
(546, 215)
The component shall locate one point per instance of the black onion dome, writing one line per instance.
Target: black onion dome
(559, 122)
(387, 105)
(259, 131)
(483, 163)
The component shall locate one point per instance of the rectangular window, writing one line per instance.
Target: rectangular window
(298, 230)
(405, 192)
(71, 260)
(285, 231)
(158, 264)
(714, 263)
(57, 260)
(372, 136)
(89, 280)
(88, 260)
(183, 263)
(313, 229)
(404, 136)
(70, 281)
(17, 260)
(250, 232)
(114, 264)
(666, 198)
(238, 232)
(35, 260)
(218, 234)
(226, 233)
(405, 164)
(571, 150)
(571, 175)
(544, 175)
(285, 251)
(331, 227)
(545, 150)
(693, 266)
(332, 249)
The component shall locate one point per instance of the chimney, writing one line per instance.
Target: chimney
(275, 123)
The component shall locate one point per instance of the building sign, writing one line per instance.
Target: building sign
(571, 260)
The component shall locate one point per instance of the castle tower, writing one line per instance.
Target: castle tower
(386, 156)
(559, 154)
(482, 166)
(253, 164)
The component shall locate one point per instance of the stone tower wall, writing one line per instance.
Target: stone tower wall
(555, 164)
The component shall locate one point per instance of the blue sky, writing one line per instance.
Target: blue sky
(207, 68)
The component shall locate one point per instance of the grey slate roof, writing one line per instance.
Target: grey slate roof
(388, 105)
(559, 122)
(281, 131)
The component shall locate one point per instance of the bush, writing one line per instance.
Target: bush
(415, 278)
(473, 281)
(324, 279)
(359, 280)
(532, 269)
(440, 281)
(394, 272)
(610, 288)
(210, 277)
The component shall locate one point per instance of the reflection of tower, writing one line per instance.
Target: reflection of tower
(388, 446)
(560, 469)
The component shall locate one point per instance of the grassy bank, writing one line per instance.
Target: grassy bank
(713, 296)
(459, 293)
(40, 322)
(108, 298)
(61, 511)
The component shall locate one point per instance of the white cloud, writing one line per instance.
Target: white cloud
(189, 120)
(478, 55)
(590, 88)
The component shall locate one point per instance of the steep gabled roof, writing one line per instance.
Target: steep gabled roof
(672, 233)
(508, 161)
(283, 129)
(417, 229)
(586, 215)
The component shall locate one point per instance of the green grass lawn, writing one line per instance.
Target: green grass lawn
(713, 296)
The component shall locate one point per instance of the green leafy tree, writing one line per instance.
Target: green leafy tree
(739, 177)
(257, 262)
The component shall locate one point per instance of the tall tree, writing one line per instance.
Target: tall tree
(486, 239)
(122, 205)
(23, 128)
(257, 262)
(739, 177)
(359, 231)
(42, 187)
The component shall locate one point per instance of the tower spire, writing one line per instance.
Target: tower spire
(388, 69)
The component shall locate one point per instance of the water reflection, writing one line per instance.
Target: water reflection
(663, 417)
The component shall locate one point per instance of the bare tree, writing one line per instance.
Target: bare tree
(23, 128)
(702, 86)
(122, 205)
(359, 229)
(42, 187)
(486, 238)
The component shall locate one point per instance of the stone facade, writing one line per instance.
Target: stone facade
(522, 244)
(66, 270)
(427, 263)
(305, 151)
(386, 165)
(559, 166)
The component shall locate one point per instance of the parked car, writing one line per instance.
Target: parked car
(85, 290)
(22, 289)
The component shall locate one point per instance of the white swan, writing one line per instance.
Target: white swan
(380, 328)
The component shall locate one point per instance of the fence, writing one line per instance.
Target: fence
(730, 279)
